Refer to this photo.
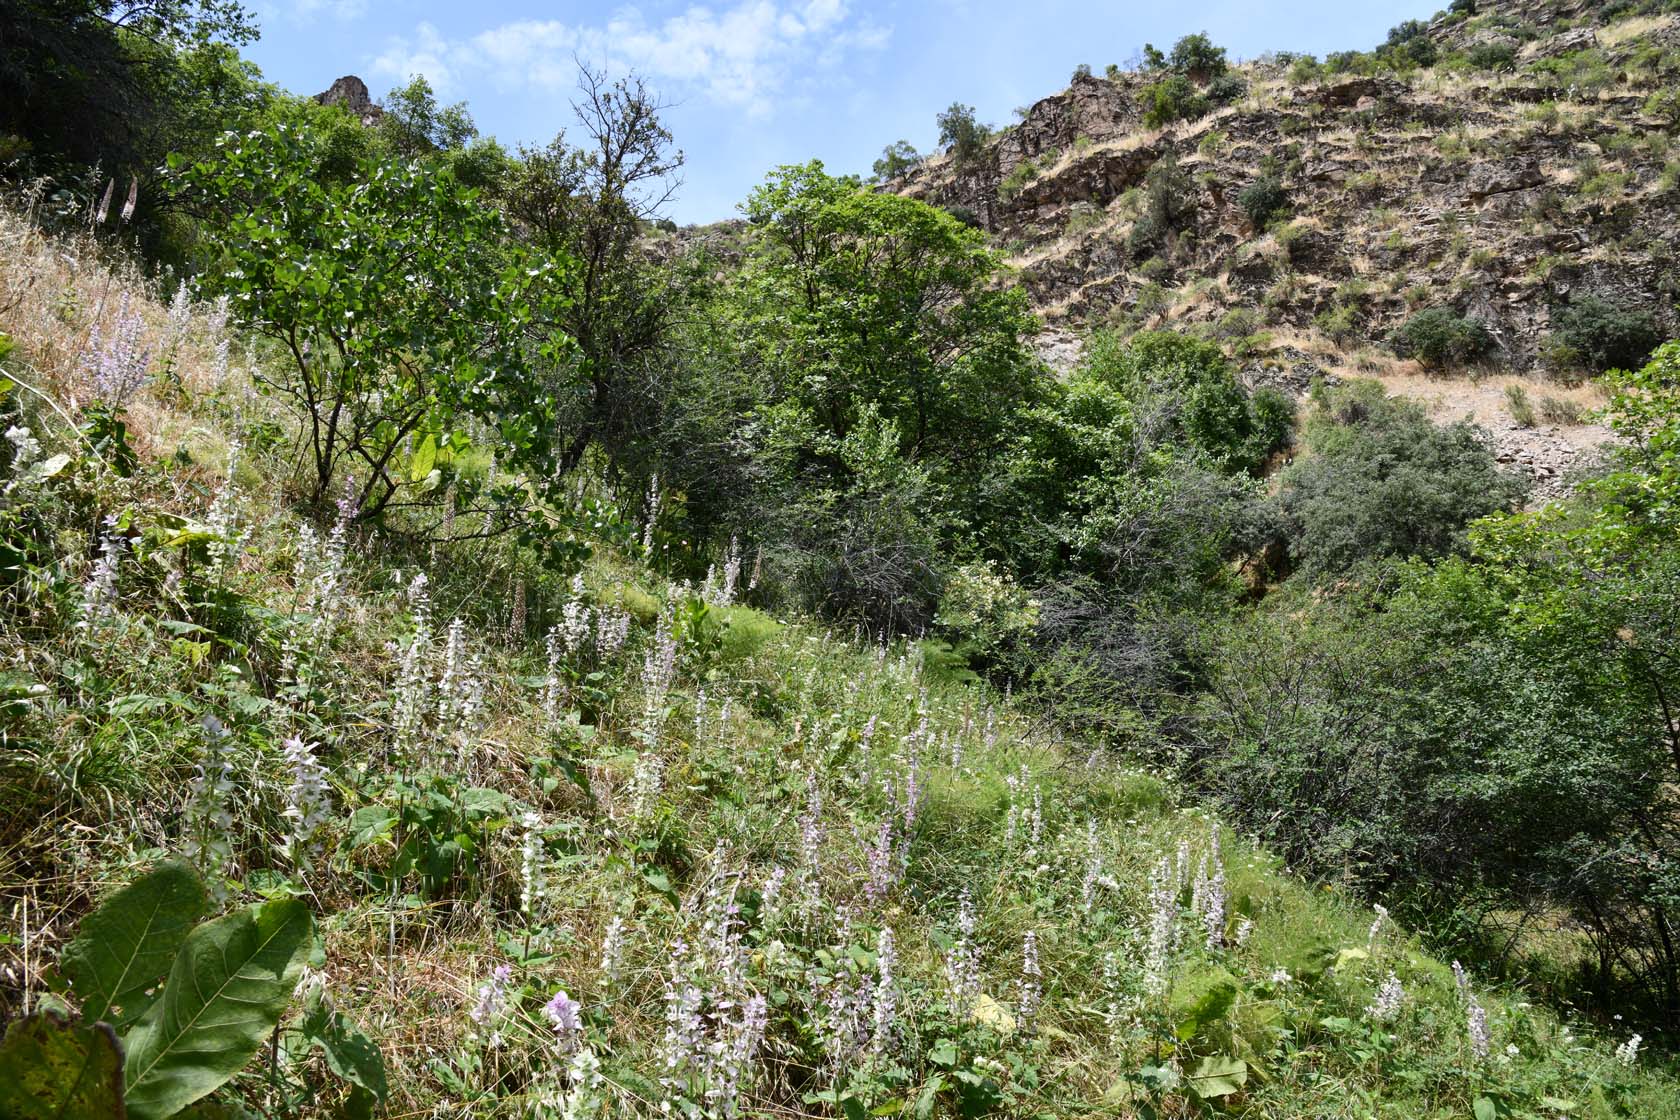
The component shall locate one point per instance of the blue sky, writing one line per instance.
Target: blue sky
(758, 83)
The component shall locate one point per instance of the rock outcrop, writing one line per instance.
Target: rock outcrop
(1506, 192)
(352, 93)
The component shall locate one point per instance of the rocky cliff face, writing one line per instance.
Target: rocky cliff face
(352, 93)
(1518, 174)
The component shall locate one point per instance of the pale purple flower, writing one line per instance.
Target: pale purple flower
(882, 864)
(306, 798)
(884, 1006)
(208, 840)
(1389, 999)
(1376, 926)
(659, 671)
(99, 593)
(962, 962)
(117, 364)
(565, 1013)
(612, 630)
(653, 501)
(487, 1009)
(1476, 1023)
(1093, 867)
(612, 952)
(532, 885)
(1031, 985)
(552, 688)
(1163, 928)
(574, 619)
(1208, 894)
(411, 692)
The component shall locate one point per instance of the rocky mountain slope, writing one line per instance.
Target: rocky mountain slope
(1527, 168)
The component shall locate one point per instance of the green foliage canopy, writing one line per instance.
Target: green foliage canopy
(400, 306)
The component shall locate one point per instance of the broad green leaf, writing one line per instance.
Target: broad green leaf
(988, 1012)
(929, 1097)
(350, 1054)
(1348, 956)
(1488, 1107)
(50, 467)
(126, 945)
(1217, 1076)
(1210, 1007)
(425, 458)
(51, 1069)
(1160, 1079)
(226, 991)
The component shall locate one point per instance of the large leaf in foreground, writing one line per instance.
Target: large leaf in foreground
(123, 947)
(226, 991)
(1217, 1076)
(51, 1069)
(351, 1055)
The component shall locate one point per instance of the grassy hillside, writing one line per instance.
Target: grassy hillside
(769, 869)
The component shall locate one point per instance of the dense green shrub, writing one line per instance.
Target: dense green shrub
(1225, 89)
(1263, 200)
(1440, 337)
(895, 367)
(1196, 82)
(1173, 98)
(1602, 335)
(1169, 205)
(1183, 391)
(1492, 56)
(1381, 479)
(1665, 106)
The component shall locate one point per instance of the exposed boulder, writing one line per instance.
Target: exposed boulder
(1503, 177)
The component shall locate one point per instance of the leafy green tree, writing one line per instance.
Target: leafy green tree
(961, 134)
(592, 202)
(401, 313)
(96, 90)
(1169, 206)
(896, 160)
(415, 124)
(1173, 98)
(1409, 45)
(875, 319)
(97, 81)
(1197, 58)
(861, 297)
(1184, 392)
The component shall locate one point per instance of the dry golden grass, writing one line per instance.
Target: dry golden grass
(1637, 27)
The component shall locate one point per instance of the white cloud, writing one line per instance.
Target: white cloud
(426, 53)
(746, 55)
